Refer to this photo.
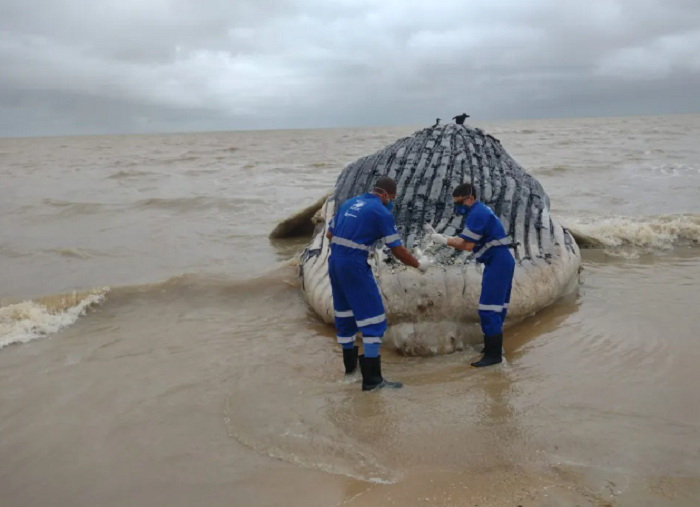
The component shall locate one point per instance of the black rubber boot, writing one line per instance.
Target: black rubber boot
(372, 379)
(350, 360)
(492, 351)
(483, 349)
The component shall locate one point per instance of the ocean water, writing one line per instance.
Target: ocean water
(155, 348)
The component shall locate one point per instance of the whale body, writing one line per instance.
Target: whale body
(437, 312)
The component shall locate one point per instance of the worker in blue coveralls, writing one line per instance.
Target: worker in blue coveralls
(484, 235)
(357, 225)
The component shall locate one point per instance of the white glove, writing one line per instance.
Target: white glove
(439, 239)
(424, 264)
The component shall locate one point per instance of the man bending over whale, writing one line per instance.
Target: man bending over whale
(484, 235)
(358, 224)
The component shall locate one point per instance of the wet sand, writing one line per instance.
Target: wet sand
(202, 378)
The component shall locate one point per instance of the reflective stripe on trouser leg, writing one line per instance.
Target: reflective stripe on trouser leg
(344, 318)
(347, 342)
(353, 276)
(495, 289)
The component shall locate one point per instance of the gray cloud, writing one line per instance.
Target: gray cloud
(73, 66)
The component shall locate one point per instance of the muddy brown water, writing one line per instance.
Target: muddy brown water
(156, 349)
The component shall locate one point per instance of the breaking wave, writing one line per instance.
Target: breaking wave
(630, 235)
(191, 203)
(25, 321)
(123, 174)
(70, 208)
(22, 321)
(558, 170)
(675, 170)
(75, 253)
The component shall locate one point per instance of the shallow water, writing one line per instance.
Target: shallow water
(198, 376)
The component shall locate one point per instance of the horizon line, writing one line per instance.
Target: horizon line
(355, 127)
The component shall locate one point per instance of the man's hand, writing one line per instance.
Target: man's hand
(402, 254)
(425, 263)
(440, 239)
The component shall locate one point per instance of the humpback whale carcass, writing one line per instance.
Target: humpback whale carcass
(436, 312)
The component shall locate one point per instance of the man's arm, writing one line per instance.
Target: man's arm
(390, 237)
(460, 244)
(473, 231)
(405, 256)
(455, 242)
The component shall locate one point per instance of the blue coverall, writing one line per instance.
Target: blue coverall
(484, 229)
(359, 223)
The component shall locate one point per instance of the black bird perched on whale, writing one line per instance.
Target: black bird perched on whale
(459, 120)
(437, 122)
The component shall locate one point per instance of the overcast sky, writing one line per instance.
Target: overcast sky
(111, 66)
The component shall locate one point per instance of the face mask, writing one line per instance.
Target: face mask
(389, 205)
(462, 209)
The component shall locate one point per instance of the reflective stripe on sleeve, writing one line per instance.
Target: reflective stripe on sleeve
(391, 239)
(466, 232)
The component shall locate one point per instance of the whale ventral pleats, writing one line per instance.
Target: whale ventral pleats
(430, 164)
